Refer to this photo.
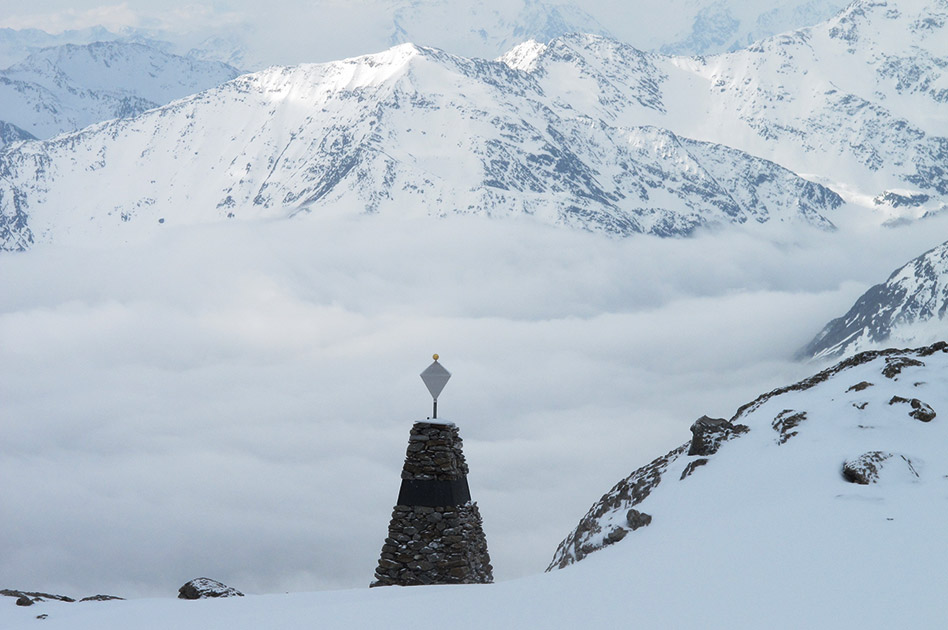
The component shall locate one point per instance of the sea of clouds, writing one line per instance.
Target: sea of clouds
(234, 400)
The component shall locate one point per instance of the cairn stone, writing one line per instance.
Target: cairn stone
(436, 534)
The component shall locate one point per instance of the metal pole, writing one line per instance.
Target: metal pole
(434, 415)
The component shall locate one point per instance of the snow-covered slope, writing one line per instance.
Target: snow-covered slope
(65, 88)
(413, 131)
(851, 449)
(907, 309)
(774, 530)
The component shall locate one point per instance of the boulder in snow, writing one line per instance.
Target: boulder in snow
(202, 588)
(920, 411)
(870, 467)
(708, 434)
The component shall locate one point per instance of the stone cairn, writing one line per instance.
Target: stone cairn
(436, 535)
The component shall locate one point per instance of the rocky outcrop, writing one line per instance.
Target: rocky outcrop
(100, 598)
(637, 519)
(436, 534)
(785, 424)
(34, 596)
(920, 411)
(28, 598)
(708, 434)
(868, 467)
(203, 588)
(591, 534)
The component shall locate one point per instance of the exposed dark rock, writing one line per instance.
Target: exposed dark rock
(858, 359)
(627, 493)
(35, 596)
(860, 406)
(858, 387)
(637, 519)
(866, 468)
(690, 468)
(100, 598)
(23, 600)
(785, 423)
(920, 411)
(708, 434)
(895, 365)
(614, 536)
(203, 588)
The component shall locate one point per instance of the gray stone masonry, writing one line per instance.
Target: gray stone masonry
(434, 544)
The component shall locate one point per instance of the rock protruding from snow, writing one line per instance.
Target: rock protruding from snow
(870, 467)
(708, 434)
(599, 527)
(34, 596)
(100, 598)
(786, 423)
(203, 588)
(636, 519)
(909, 308)
(920, 411)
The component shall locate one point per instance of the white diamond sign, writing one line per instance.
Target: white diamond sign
(435, 378)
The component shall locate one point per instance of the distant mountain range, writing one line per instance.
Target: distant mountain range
(583, 131)
(484, 29)
(907, 309)
(411, 131)
(66, 88)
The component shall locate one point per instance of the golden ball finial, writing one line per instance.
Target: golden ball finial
(435, 357)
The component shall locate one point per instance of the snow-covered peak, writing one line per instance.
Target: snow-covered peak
(523, 56)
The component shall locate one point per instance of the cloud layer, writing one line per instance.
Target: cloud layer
(234, 400)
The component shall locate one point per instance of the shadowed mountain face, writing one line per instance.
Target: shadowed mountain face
(907, 309)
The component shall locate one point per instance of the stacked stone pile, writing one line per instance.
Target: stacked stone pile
(436, 534)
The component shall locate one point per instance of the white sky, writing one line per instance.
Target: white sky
(297, 31)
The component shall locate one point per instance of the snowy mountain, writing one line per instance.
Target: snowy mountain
(18, 44)
(908, 308)
(413, 131)
(857, 103)
(849, 449)
(65, 88)
(582, 131)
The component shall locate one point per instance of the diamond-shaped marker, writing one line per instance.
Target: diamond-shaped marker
(435, 378)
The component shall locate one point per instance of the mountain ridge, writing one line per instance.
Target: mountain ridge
(412, 128)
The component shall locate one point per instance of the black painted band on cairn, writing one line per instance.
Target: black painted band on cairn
(434, 492)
